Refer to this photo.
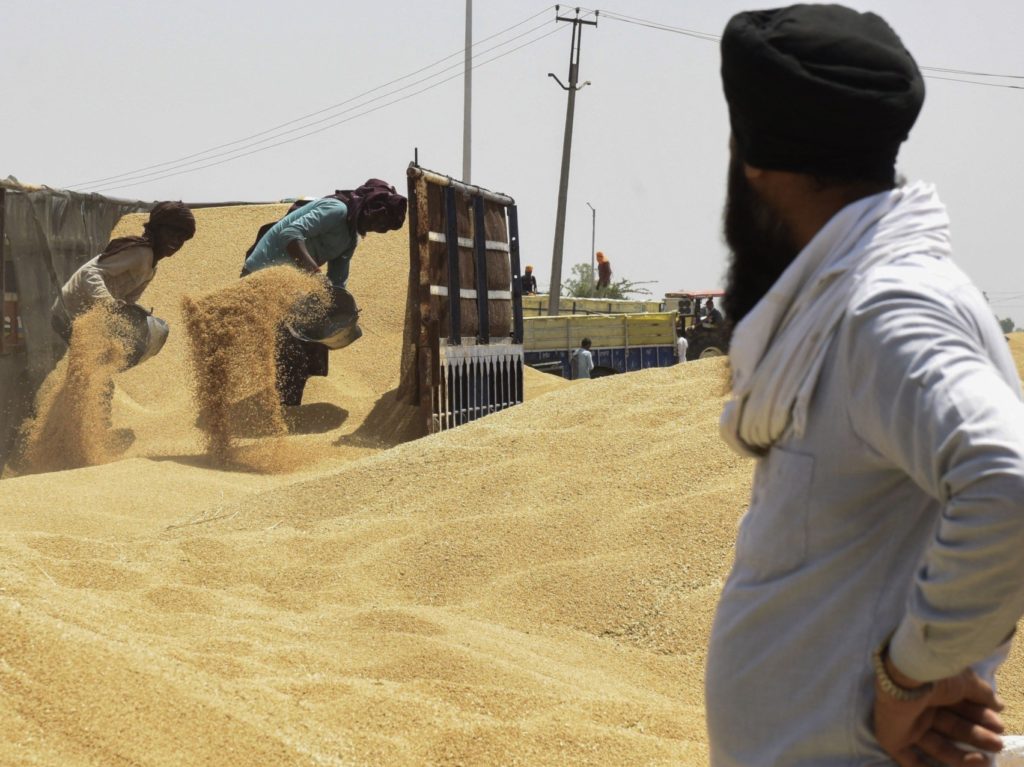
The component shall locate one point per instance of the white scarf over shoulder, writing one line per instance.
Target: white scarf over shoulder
(777, 350)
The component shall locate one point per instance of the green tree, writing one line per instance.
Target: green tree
(1006, 324)
(583, 285)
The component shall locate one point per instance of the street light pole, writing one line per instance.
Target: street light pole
(593, 232)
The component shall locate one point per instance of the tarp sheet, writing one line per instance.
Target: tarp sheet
(47, 235)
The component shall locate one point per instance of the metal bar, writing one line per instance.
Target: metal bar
(463, 410)
(442, 290)
(480, 254)
(454, 305)
(416, 319)
(517, 284)
(468, 189)
(465, 242)
(437, 408)
(3, 272)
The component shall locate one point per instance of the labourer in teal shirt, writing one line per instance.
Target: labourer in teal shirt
(318, 233)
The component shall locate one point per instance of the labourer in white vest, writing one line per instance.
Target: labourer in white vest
(878, 574)
(123, 271)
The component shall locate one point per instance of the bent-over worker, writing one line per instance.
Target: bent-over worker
(126, 266)
(322, 232)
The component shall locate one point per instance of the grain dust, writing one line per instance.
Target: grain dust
(232, 335)
(72, 422)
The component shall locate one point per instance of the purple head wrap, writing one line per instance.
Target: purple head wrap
(373, 207)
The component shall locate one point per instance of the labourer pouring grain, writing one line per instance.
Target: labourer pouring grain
(322, 232)
(121, 273)
(877, 577)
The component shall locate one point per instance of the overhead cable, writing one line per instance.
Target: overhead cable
(717, 38)
(239, 153)
(276, 130)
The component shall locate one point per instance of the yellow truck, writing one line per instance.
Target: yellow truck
(619, 342)
(537, 306)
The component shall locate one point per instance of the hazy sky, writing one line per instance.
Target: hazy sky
(106, 87)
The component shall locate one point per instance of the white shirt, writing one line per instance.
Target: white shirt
(123, 275)
(681, 346)
(582, 363)
(900, 506)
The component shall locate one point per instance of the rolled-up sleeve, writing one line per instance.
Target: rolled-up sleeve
(925, 395)
(325, 215)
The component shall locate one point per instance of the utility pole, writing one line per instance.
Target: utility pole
(467, 96)
(555, 290)
(593, 232)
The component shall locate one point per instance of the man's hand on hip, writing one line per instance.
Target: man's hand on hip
(961, 710)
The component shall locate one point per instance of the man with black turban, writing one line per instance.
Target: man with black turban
(121, 273)
(877, 577)
(322, 232)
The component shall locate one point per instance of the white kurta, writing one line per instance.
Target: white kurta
(900, 507)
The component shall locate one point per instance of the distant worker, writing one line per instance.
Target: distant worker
(681, 346)
(529, 282)
(604, 271)
(120, 274)
(325, 231)
(582, 361)
(713, 316)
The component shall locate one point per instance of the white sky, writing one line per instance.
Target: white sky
(105, 87)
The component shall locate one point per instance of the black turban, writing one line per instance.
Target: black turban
(819, 89)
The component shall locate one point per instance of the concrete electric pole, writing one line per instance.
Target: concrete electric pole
(467, 96)
(555, 290)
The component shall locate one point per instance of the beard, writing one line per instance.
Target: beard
(760, 242)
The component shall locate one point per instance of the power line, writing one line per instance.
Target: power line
(975, 82)
(235, 156)
(142, 175)
(200, 156)
(974, 74)
(708, 37)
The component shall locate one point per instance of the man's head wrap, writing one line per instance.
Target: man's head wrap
(819, 89)
(373, 206)
(164, 216)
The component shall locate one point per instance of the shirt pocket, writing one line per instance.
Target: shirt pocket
(772, 539)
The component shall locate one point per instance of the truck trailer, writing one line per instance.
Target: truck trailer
(619, 342)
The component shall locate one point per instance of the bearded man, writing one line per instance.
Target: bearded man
(877, 578)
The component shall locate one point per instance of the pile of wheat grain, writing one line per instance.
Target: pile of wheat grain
(534, 588)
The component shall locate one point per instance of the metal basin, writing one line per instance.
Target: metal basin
(339, 329)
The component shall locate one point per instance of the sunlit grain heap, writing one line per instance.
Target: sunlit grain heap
(534, 588)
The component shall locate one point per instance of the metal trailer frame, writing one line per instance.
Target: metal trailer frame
(460, 378)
